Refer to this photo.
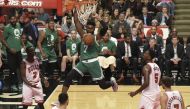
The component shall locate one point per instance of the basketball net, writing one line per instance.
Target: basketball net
(84, 11)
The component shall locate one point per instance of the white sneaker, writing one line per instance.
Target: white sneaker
(115, 85)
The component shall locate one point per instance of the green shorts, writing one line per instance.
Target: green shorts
(51, 55)
(92, 66)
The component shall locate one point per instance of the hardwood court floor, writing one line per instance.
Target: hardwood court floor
(92, 97)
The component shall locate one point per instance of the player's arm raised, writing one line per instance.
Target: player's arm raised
(163, 101)
(146, 72)
(79, 26)
(23, 75)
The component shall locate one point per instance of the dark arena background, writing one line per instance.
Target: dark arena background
(124, 30)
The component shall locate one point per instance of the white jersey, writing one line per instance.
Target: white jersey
(174, 100)
(153, 90)
(32, 71)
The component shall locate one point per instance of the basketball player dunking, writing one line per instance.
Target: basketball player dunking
(30, 73)
(88, 59)
(150, 98)
(170, 99)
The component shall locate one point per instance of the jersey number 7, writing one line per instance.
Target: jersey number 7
(156, 77)
(176, 106)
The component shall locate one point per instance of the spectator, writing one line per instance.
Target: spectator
(1, 51)
(159, 31)
(37, 22)
(12, 42)
(119, 4)
(72, 52)
(21, 22)
(25, 13)
(47, 42)
(3, 19)
(140, 30)
(105, 22)
(145, 17)
(129, 17)
(107, 52)
(68, 25)
(120, 23)
(152, 44)
(187, 57)
(121, 34)
(31, 31)
(135, 37)
(169, 4)
(43, 16)
(127, 56)
(151, 8)
(101, 12)
(163, 18)
(115, 15)
(174, 56)
(132, 4)
(173, 33)
(159, 40)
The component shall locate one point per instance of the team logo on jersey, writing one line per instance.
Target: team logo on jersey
(17, 33)
(172, 99)
(51, 40)
(52, 37)
(33, 67)
(73, 47)
(104, 48)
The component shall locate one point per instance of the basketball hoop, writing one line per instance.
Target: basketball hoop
(85, 11)
(84, 8)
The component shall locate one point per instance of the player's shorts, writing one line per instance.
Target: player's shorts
(147, 103)
(92, 66)
(29, 92)
(51, 55)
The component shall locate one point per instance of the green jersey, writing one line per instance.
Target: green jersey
(12, 36)
(110, 45)
(50, 39)
(89, 52)
(72, 45)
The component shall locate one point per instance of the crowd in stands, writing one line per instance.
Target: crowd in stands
(57, 42)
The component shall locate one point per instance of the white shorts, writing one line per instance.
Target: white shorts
(147, 103)
(28, 92)
(105, 62)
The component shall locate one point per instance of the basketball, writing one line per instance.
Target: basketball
(88, 39)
